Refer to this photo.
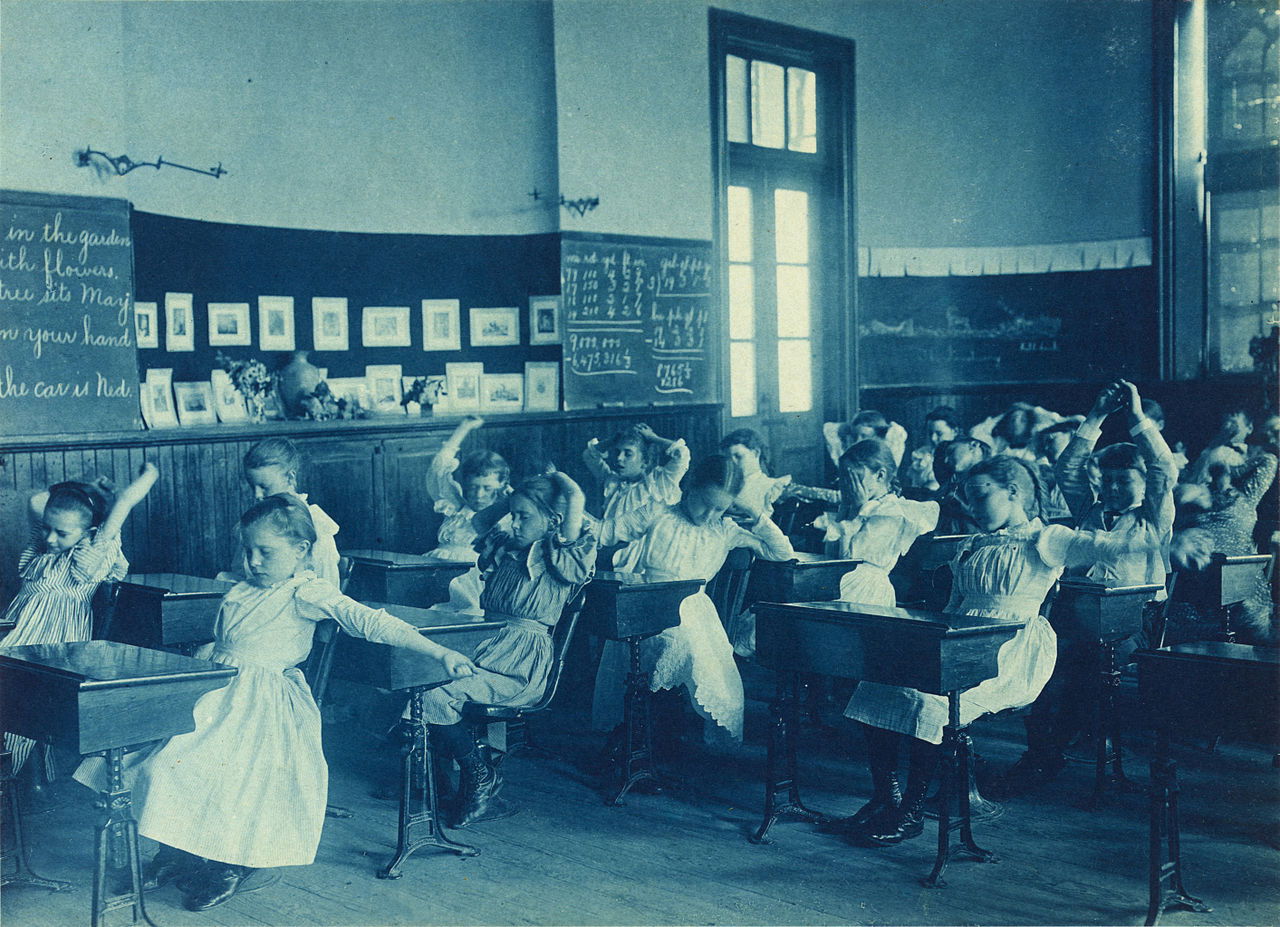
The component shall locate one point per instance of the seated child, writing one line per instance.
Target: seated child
(1049, 445)
(869, 424)
(247, 788)
(942, 424)
(641, 468)
(271, 467)
(689, 540)
(759, 490)
(951, 461)
(74, 547)
(1011, 431)
(1228, 447)
(482, 478)
(530, 573)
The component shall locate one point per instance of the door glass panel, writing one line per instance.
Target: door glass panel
(742, 303)
(795, 386)
(768, 107)
(739, 224)
(742, 378)
(793, 301)
(802, 110)
(791, 208)
(735, 98)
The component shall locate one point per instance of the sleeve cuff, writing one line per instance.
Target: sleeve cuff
(1144, 424)
(1089, 432)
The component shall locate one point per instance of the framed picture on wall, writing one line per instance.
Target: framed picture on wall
(195, 403)
(541, 386)
(329, 324)
(462, 385)
(146, 327)
(229, 324)
(502, 392)
(385, 387)
(227, 401)
(385, 327)
(544, 320)
(441, 329)
(159, 387)
(275, 323)
(495, 327)
(179, 328)
(355, 389)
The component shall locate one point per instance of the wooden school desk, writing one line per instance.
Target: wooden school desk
(1207, 689)
(935, 652)
(403, 579)
(1223, 585)
(630, 607)
(803, 578)
(386, 667)
(166, 611)
(102, 698)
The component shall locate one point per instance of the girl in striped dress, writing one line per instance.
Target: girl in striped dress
(75, 546)
(247, 788)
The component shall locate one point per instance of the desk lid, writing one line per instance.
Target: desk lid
(110, 664)
(393, 559)
(802, 559)
(178, 584)
(908, 620)
(1214, 652)
(440, 618)
(1082, 585)
(640, 580)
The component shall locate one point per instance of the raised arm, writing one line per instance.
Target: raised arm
(629, 527)
(663, 444)
(486, 518)
(1069, 469)
(575, 505)
(1162, 469)
(1255, 478)
(441, 485)
(593, 458)
(130, 496)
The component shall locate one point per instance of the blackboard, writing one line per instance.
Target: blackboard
(638, 324)
(67, 357)
(1006, 328)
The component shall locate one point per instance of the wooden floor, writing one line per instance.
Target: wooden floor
(667, 859)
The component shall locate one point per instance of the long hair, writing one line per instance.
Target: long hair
(1007, 470)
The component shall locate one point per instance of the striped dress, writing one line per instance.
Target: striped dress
(248, 786)
(53, 605)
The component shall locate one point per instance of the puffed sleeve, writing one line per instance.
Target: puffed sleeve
(318, 599)
(629, 527)
(831, 437)
(773, 492)
(325, 553)
(441, 485)
(35, 547)
(93, 561)
(572, 562)
(1060, 546)
(896, 439)
(665, 480)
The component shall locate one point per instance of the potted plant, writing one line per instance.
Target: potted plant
(253, 381)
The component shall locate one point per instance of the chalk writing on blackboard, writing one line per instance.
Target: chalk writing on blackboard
(637, 318)
(66, 301)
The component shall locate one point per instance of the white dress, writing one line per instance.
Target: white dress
(660, 485)
(248, 786)
(456, 537)
(1002, 575)
(696, 653)
(760, 491)
(883, 530)
(324, 555)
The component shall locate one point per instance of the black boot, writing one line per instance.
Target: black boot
(907, 821)
(886, 794)
(169, 865)
(218, 884)
(478, 788)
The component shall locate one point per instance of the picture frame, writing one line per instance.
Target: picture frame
(542, 386)
(227, 401)
(275, 323)
(146, 325)
(502, 392)
(544, 320)
(356, 388)
(159, 387)
(194, 402)
(329, 324)
(385, 388)
(179, 324)
(229, 325)
(494, 327)
(441, 325)
(385, 327)
(462, 382)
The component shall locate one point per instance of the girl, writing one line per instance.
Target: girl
(942, 424)
(1003, 573)
(759, 490)
(270, 468)
(530, 575)
(75, 546)
(690, 540)
(632, 479)
(869, 424)
(881, 525)
(483, 478)
(247, 788)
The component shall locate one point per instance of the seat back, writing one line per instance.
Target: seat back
(795, 517)
(102, 609)
(561, 638)
(345, 565)
(728, 587)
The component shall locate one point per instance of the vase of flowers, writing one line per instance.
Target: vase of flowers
(253, 381)
(426, 392)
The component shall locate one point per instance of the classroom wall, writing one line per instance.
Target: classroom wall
(421, 117)
(979, 122)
